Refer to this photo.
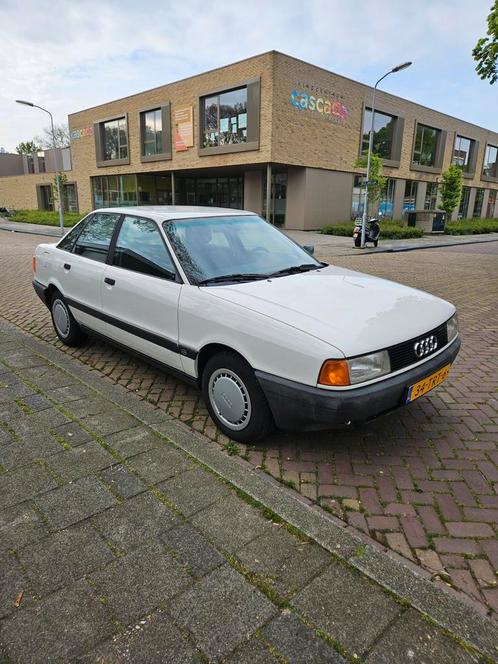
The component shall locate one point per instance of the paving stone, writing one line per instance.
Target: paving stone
(83, 407)
(13, 581)
(339, 600)
(231, 523)
(64, 557)
(75, 502)
(122, 482)
(42, 444)
(160, 464)
(298, 643)
(51, 417)
(133, 441)
(83, 460)
(222, 611)
(21, 484)
(19, 525)
(139, 582)
(282, 560)
(138, 519)
(73, 434)
(111, 421)
(58, 629)
(37, 402)
(252, 652)
(192, 549)
(75, 392)
(412, 639)
(152, 640)
(193, 490)
(15, 455)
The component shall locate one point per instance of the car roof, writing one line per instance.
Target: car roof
(167, 212)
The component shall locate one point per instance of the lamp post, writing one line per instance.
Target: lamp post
(59, 199)
(394, 70)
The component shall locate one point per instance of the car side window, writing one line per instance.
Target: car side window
(95, 238)
(141, 248)
(68, 241)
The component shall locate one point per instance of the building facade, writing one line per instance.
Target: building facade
(274, 135)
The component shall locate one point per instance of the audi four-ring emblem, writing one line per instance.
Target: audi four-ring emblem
(425, 346)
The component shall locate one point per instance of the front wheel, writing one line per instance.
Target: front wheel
(65, 325)
(376, 242)
(235, 399)
(357, 240)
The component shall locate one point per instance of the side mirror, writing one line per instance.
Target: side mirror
(309, 248)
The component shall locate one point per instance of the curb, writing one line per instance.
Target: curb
(44, 232)
(436, 245)
(440, 604)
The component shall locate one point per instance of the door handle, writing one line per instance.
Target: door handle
(67, 266)
(109, 281)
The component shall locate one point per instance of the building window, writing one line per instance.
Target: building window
(426, 145)
(31, 164)
(479, 199)
(69, 197)
(493, 195)
(410, 196)
(114, 190)
(430, 202)
(358, 197)
(155, 133)
(225, 118)
(384, 127)
(386, 201)
(462, 152)
(229, 119)
(490, 168)
(463, 210)
(111, 142)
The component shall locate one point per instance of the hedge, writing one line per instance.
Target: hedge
(472, 227)
(388, 230)
(46, 218)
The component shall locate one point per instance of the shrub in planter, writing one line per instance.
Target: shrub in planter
(471, 226)
(388, 230)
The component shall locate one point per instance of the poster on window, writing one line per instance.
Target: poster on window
(184, 128)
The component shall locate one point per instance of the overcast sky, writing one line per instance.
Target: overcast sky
(67, 55)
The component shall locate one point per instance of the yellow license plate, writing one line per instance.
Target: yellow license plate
(427, 384)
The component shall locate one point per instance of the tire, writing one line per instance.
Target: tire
(65, 325)
(234, 398)
(376, 242)
(357, 241)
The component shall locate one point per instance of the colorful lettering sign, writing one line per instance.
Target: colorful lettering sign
(306, 102)
(80, 133)
(184, 128)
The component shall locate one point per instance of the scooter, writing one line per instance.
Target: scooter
(372, 231)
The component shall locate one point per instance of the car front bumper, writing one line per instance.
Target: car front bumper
(298, 407)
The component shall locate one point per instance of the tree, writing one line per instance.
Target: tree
(61, 134)
(485, 52)
(451, 188)
(377, 181)
(28, 147)
(62, 181)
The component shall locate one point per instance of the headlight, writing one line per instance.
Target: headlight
(357, 370)
(368, 367)
(452, 328)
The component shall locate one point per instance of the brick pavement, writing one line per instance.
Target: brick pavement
(422, 481)
(108, 554)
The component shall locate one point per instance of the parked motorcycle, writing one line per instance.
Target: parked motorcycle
(372, 231)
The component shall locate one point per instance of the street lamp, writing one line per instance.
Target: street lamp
(59, 199)
(394, 70)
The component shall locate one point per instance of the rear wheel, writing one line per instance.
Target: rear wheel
(65, 325)
(235, 399)
(376, 242)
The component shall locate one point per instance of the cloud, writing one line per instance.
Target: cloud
(71, 55)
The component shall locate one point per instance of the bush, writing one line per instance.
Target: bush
(388, 230)
(45, 217)
(471, 226)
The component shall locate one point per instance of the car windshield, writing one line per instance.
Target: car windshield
(235, 248)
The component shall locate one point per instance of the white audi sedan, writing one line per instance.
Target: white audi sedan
(272, 336)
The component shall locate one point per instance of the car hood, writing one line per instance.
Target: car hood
(357, 313)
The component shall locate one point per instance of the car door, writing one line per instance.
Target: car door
(141, 291)
(81, 271)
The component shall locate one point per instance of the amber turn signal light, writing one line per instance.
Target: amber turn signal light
(334, 372)
(33, 264)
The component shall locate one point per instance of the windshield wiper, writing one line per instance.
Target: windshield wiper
(296, 269)
(232, 277)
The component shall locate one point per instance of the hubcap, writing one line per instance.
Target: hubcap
(61, 318)
(230, 399)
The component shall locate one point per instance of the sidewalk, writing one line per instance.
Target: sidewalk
(326, 246)
(125, 537)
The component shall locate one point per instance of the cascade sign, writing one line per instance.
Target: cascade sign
(307, 102)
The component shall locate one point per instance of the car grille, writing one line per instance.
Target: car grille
(402, 355)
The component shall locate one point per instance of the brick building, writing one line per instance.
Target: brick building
(271, 134)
